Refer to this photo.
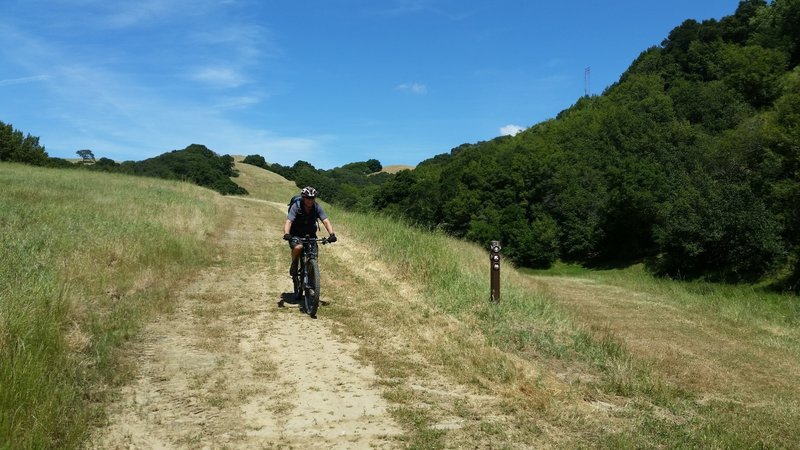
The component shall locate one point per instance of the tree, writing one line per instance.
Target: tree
(16, 147)
(256, 160)
(754, 72)
(374, 165)
(86, 155)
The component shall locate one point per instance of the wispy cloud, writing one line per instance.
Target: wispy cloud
(134, 114)
(147, 12)
(224, 77)
(404, 7)
(510, 130)
(239, 102)
(23, 80)
(414, 88)
(246, 41)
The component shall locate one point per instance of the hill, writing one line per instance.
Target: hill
(196, 163)
(603, 359)
(689, 163)
(407, 350)
(351, 185)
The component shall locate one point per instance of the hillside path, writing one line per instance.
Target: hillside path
(231, 369)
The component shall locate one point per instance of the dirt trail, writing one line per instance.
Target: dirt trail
(230, 369)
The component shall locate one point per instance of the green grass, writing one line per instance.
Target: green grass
(455, 277)
(85, 258)
(760, 329)
(751, 305)
(657, 410)
(583, 386)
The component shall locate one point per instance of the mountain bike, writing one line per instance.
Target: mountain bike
(306, 281)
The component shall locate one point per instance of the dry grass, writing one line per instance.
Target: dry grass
(700, 352)
(263, 184)
(396, 168)
(85, 258)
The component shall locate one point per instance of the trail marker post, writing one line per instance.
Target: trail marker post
(494, 270)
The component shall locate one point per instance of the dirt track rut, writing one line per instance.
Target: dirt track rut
(229, 368)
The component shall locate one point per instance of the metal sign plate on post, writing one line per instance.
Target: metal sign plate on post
(494, 270)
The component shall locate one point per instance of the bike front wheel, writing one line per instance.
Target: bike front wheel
(312, 288)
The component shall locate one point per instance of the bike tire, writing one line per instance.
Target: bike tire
(312, 288)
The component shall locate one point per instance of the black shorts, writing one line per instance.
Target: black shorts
(294, 241)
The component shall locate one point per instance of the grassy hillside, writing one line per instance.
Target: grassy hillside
(85, 258)
(397, 168)
(569, 358)
(577, 358)
(689, 162)
(264, 184)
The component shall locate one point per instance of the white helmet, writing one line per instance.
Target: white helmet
(309, 192)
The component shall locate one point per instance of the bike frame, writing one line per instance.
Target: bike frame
(305, 289)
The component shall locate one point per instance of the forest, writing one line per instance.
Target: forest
(352, 185)
(690, 163)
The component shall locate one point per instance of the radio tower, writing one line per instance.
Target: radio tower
(587, 75)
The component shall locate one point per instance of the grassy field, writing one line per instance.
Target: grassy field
(569, 358)
(85, 259)
(579, 358)
(607, 358)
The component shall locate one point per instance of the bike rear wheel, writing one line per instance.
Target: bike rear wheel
(312, 287)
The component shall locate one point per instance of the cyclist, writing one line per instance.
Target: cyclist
(302, 221)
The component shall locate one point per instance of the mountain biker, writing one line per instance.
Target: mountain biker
(302, 220)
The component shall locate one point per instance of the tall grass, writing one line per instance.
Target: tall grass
(84, 259)
(657, 411)
(580, 385)
(455, 277)
(525, 324)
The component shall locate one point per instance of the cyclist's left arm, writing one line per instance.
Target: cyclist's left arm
(323, 216)
(328, 226)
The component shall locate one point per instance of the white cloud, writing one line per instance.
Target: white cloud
(9, 82)
(510, 130)
(220, 76)
(247, 42)
(128, 14)
(242, 101)
(414, 88)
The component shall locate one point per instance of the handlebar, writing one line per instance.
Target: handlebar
(306, 240)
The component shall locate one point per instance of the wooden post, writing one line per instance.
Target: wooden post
(494, 270)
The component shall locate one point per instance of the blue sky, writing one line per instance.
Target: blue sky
(325, 81)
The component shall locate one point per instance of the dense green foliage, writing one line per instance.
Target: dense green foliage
(16, 147)
(352, 185)
(256, 160)
(196, 163)
(691, 162)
